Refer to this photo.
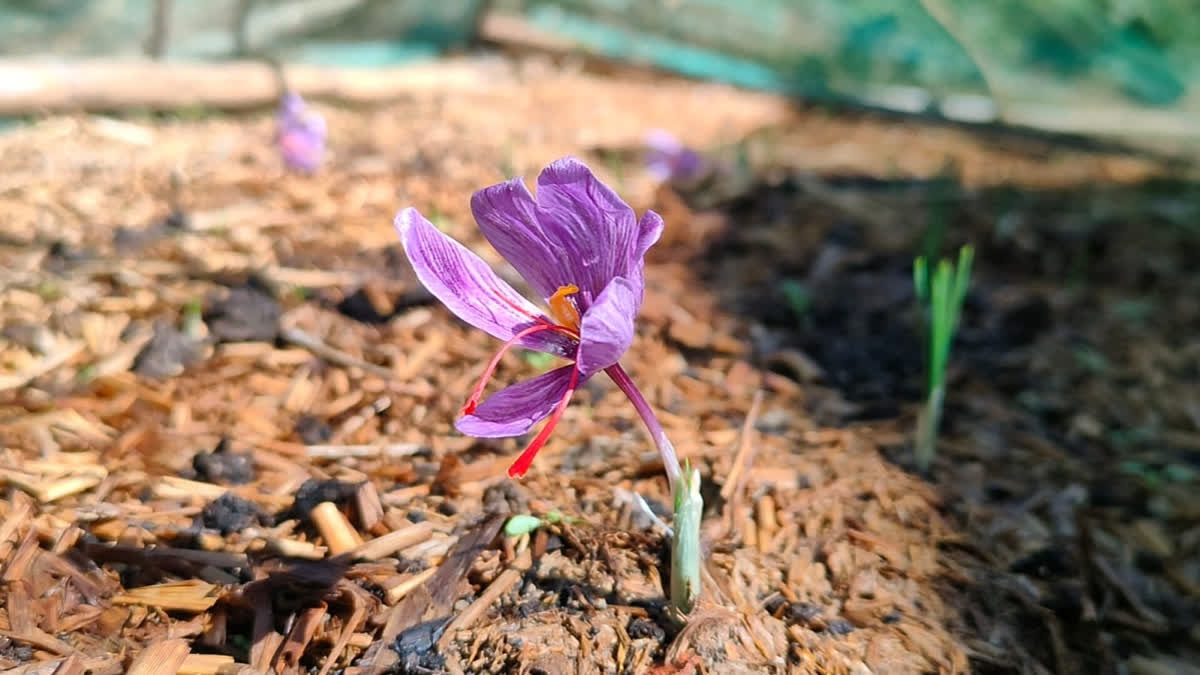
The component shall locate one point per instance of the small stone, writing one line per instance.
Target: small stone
(803, 613)
(167, 353)
(641, 627)
(506, 497)
(246, 315)
(840, 626)
(230, 513)
(313, 492)
(223, 466)
(313, 430)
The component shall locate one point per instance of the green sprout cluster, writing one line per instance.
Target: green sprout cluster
(941, 296)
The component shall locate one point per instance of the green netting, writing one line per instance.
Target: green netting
(341, 32)
(1065, 64)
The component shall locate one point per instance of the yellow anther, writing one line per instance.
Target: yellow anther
(562, 309)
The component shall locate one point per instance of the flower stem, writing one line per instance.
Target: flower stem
(689, 506)
(665, 450)
(685, 547)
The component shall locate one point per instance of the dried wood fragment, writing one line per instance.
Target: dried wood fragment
(303, 629)
(173, 487)
(359, 602)
(316, 346)
(294, 548)
(61, 354)
(160, 658)
(72, 665)
(379, 450)
(369, 508)
(767, 523)
(185, 596)
(503, 583)
(19, 515)
(19, 600)
(264, 641)
(395, 591)
(40, 639)
(207, 664)
(18, 564)
(392, 542)
(337, 532)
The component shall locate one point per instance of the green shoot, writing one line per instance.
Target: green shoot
(941, 294)
(525, 524)
(521, 524)
(685, 547)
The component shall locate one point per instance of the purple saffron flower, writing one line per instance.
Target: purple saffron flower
(300, 133)
(582, 250)
(667, 158)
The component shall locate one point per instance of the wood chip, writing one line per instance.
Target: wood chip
(184, 596)
(503, 583)
(393, 542)
(160, 658)
(337, 532)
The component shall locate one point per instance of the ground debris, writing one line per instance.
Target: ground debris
(341, 524)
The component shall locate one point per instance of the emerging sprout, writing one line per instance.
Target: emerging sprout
(941, 296)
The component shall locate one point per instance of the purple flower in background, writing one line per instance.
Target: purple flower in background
(300, 133)
(581, 249)
(667, 158)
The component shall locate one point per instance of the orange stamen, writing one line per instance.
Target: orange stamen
(469, 406)
(562, 309)
(519, 467)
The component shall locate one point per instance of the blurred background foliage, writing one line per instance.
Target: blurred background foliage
(971, 61)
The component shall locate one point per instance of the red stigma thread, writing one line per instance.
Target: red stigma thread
(519, 467)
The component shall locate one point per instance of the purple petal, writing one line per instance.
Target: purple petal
(668, 158)
(650, 228)
(594, 231)
(515, 409)
(606, 331)
(301, 134)
(507, 216)
(470, 289)
(301, 150)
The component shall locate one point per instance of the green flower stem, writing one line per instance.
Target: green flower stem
(685, 489)
(685, 548)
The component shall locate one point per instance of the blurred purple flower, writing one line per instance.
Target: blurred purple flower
(300, 133)
(667, 158)
(581, 248)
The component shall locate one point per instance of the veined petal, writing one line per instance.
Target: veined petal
(593, 229)
(469, 288)
(607, 329)
(515, 409)
(650, 228)
(507, 216)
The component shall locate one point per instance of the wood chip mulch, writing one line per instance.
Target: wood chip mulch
(226, 405)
